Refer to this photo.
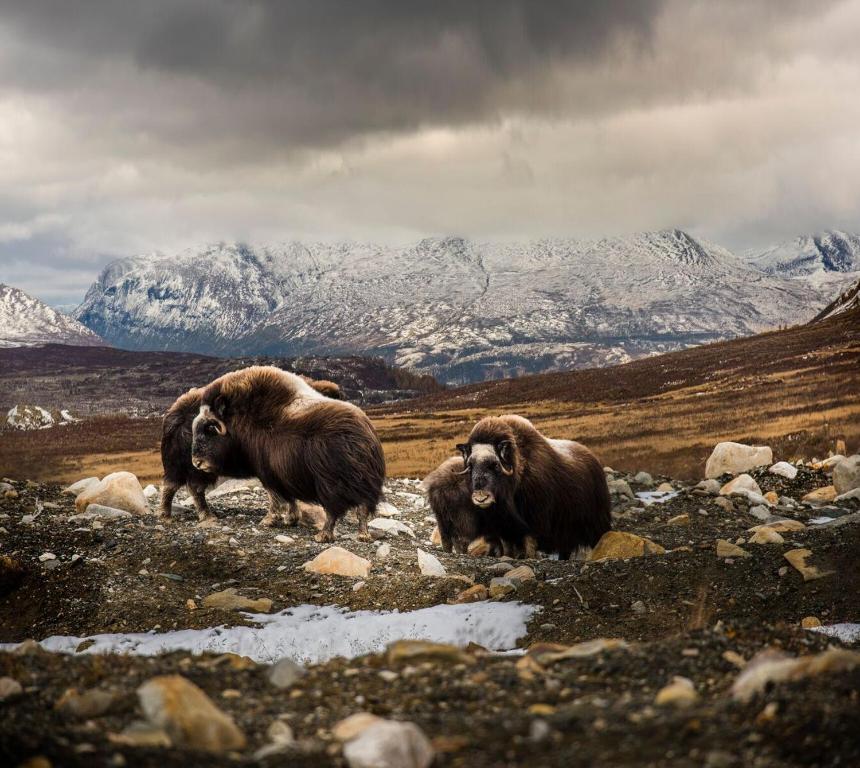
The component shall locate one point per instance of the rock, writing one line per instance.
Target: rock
(9, 688)
(350, 727)
(827, 493)
(725, 504)
(638, 607)
(140, 734)
(735, 659)
(119, 489)
(766, 535)
(80, 486)
(429, 565)
(783, 469)
(46, 556)
(389, 744)
(188, 715)
(740, 486)
(479, 547)
(383, 551)
(436, 537)
(621, 488)
(282, 539)
(829, 463)
(281, 738)
(10, 494)
(734, 458)
(99, 512)
(727, 549)
(797, 559)
(473, 594)
(285, 673)
(521, 573)
(82, 706)
(386, 525)
(771, 667)
(547, 653)
(340, 562)
(679, 520)
(781, 526)
(499, 569)
(614, 545)
(643, 478)
(418, 651)
(772, 498)
(810, 622)
(501, 586)
(854, 493)
(679, 693)
(665, 488)
(709, 487)
(840, 446)
(846, 475)
(386, 509)
(760, 512)
(150, 492)
(229, 600)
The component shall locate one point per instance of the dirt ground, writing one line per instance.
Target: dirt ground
(679, 612)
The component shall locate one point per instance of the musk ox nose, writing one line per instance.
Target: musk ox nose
(482, 498)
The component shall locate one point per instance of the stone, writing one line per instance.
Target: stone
(521, 573)
(735, 659)
(82, 706)
(771, 667)
(679, 693)
(282, 539)
(725, 504)
(772, 498)
(339, 562)
(479, 547)
(429, 565)
(820, 495)
(418, 651)
(854, 493)
(797, 559)
(80, 486)
(766, 535)
(9, 688)
(829, 463)
(499, 569)
(781, 526)
(187, 715)
(665, 488)
(46, 556)
(99, 512)
(783, 469)
(436, 537)
(501, 586)
(140, 734)
(10, 494)
(760, 512)
(621, 488)
(727, 549)
(638, 607)
(285, 673)
(679, 520)
(614, 545)
(547, 653)
(350, 727)
(735, 458)
(846, 474)
(229, 600)
(643, 478)
(387, 509)
(708, 487)
(810, 622)
(120, 490)
(383, 551)
(150, 492)
(740, 486)
(382, 526)
(389, 744)
(473, 594)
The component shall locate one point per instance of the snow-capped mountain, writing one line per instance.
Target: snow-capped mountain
(459, 309)
(847, 301)
(810, 255)
(26, 321)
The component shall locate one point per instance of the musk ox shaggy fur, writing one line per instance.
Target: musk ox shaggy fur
(179, 471)
(301, 445)
(512, 474)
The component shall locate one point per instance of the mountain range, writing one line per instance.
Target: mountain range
(26, 321)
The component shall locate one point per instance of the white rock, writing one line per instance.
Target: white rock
(81, 485)
(740, 486)
(281, 539)
(150, 492)
(234, 485)
(643, 478)
(385, 525)
(119, 489)
(339, 562)
(846, 474)
(45, 556)
(734, 458)
(389, 744)
(429, 565)
(784, 469)
(831, 461)
(852, 494)
(383, 551)
(387, 510)
(100, 512)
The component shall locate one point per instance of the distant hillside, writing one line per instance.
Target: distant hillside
(25, 321)
(822, 254)
(847, 301)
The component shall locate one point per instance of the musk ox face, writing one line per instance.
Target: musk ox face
(210, 441)
(489, 468)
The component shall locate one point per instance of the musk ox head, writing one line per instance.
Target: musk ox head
(489, 470)
(211, 442)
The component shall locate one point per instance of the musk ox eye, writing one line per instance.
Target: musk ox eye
(211, 428)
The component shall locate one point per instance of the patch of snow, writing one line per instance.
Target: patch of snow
(310, 634)
(656, 497)
(847, 632)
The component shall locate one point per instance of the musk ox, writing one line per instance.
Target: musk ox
(179, 470)
(512, 474)
(301, 445)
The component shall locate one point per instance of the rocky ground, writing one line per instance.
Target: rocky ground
(695, 608)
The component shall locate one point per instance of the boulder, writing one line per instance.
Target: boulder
(521, 573)
(339, 562)
(99, 512)
(821, 495)
(429, 565)
(742, 485)
(187, 715)
(614, 545)
(709, 487)
(380, 526)
(784, 469)
(620, 488)
(643, 478)
(229, 600)
(80, 486)
(120, 490)
(735, 458)
(846, 475)
(389, 744)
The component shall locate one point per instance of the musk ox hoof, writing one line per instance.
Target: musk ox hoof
(208, 521)
(270, 521)
(365, 536)
(324, 537)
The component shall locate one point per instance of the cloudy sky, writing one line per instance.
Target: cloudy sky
(129, 127)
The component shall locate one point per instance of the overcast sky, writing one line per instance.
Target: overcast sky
(128, 127)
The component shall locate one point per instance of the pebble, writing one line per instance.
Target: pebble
(9, 688)
(340, 562)
(810, 622)
(679, 520)
(473, 594)
(45, 556)
(725, 504)
(389, 744)
(429, 565)
(784, 469)
(638, 607)
(352, 726)
(727, 549)
(760, 512)
(499, 569)
(282, 539)
(766, 535)
(383, 551)
(679, 693)
(501, 586)
(285, 673)
(521, 573)
(229, 600)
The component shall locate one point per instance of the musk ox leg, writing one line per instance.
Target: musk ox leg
(198, 495)
(291, 515)
(168, 491)
(326, 535)
(364, 512)
(276, 512)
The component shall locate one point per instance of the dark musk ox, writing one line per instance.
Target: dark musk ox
(176, 441)
(509, 476)
(301, 445)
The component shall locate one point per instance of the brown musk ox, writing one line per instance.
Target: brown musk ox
(301, 445)
(512, 473)
(179, 470)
